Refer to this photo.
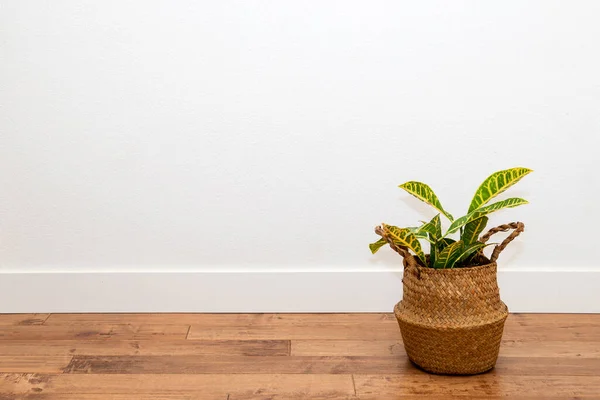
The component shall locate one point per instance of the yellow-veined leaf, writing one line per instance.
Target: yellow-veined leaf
(444, 242)
(473, 229)
(447, 257)
(483, 211)
(419, 233)
(377, 245)
(466, 251)
(432, 254)
(495, 184)
(404, 237)
(433, 228)
(424, 193)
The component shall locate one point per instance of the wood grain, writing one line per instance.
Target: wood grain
(333, 347)
(478, 387)
(237, 365)
(23, 319)
(279, 356)
(272, 386)
(379, 348)
(550, 348)
(218, 319)
(99, 347)
(41, 364)
(113, 396)
(350, 331)
(105, 332)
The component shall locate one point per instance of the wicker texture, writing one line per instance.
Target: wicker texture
(452, 320)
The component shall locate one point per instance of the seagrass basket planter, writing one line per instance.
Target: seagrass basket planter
(452, 320)
(451, 316)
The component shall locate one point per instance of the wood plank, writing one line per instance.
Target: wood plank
(550, 348)
(109, 396)
(552, 329)
(22, 319)
(99, 347)
(582, 327)
(509, 348)
(549, 319)
(479, 386)
(333, 347)
(105, 332)
(356, 331)
(368, 331)
(238, 365)
(40, 364)
(547, 366)
(506, 366)
(218, 319)
(240, 387)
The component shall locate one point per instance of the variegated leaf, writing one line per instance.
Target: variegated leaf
(404, 237)
(434, 231)
(377, 245)
(495, 184)
(420, 234)
(466, 251)
(433, 228)
(473, 229)
(440, 245)
(447, 257)
(432, 254)
(444, 242)
(424, 193)
(483, 211)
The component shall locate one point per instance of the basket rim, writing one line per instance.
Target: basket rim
(464, 270)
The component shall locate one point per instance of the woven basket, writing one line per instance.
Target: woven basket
(452, 320)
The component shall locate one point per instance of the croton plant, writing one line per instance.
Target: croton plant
(445, 252)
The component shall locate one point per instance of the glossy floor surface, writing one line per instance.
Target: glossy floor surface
(279, 356)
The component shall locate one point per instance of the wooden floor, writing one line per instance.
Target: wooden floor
(278, 356)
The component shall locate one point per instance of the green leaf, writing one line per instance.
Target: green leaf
(377, 245)
(437, 222)
(456, 253)
(483, 211)
(466, 251)
(448, 256)
(434, 232)
(424, 193)
(432, 228)
(418, 233)
(444, 242)
(495, 184)
(432, 254)
(404, 237)
(473, 229)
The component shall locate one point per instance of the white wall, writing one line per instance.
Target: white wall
(273, 134)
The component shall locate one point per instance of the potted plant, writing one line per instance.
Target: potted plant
(451, 317)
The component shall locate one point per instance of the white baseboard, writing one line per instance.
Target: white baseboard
(271, 291)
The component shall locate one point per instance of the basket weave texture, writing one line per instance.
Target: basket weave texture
(451, 320)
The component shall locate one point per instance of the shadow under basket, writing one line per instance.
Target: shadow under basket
(451, 320)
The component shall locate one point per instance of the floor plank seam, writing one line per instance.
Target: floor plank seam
(46, 319)
(354, 385)
(188, 332)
